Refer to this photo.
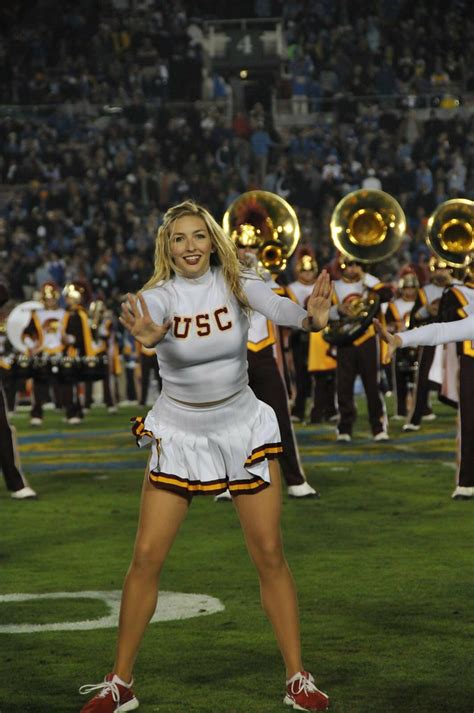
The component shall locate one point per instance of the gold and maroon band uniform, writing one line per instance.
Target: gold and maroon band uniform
(104, 343)
(6, 357)
(114, 361)
(266, 381)
(313, 362)
(457, 302)
(9, 457)
(322, 368)
(130, 357)
(299, 347)
(428, 295)
(282, 339)
(359, 358)
(148, 365)
(459, 332)
(397, 318)
(78, 334)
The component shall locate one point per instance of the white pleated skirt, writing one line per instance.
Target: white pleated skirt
(205, 450)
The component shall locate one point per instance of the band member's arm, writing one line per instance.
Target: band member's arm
(73, 333)
(31, 330)
(77, 333)
(32, 335)
(67, 337)
(452, 306)
(393, 324)
(383, 292)
(419, 312)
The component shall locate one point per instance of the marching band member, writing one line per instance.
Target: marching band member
(15, 481)
(311, 355)
(43, 337)
(7, 358)
(306, 271)
(322, 368)
(104, 346)
(77, 337)
(208, 432)
(457, 303)
(281, 348)
(113, 360)
(425, 310)
(397, 318)
(266, 381)
(462, 332)
(361, 356)
(130, 356)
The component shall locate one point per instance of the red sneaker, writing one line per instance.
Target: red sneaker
(112, 697)
(302, 694)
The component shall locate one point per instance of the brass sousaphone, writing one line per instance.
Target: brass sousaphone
(367, 226)
(450, 232)
(264, 220)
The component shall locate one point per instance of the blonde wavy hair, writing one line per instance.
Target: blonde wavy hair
(225, 251)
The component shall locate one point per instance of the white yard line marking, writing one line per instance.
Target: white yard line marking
(171, 606)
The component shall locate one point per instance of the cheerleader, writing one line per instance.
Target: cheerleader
(208, 432)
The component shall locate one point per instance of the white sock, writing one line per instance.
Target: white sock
(293, 678)
(117, 679)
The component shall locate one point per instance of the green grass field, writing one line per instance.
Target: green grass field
(383, 564)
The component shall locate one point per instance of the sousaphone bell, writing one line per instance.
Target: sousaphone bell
(367, 226)
(264, 220)
(450, 232)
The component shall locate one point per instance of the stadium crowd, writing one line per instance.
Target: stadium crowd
(89, 198)
(105, 53)
(383, 49)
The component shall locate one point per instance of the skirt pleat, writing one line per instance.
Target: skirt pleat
(205, 450)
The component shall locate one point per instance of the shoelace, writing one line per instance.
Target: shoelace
(305, 685)
(104, 689)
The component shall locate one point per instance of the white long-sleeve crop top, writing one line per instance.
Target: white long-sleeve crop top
(439, 333)
(203, 357)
